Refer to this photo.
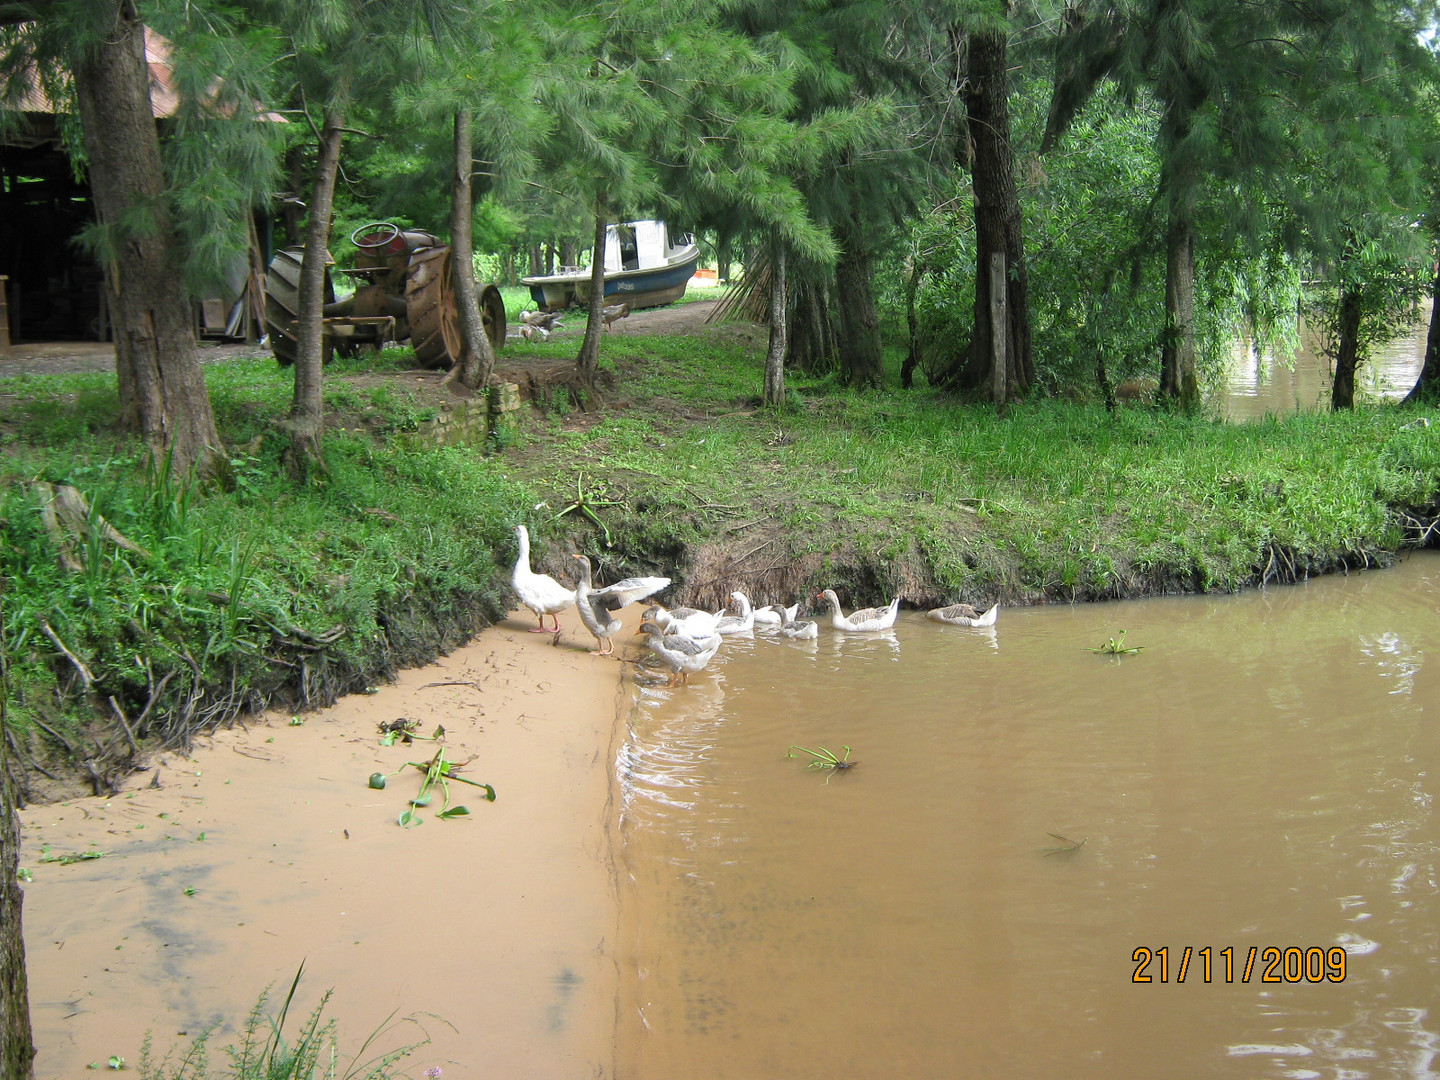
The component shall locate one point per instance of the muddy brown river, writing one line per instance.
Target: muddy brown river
(1241, 814)
(1259, 781)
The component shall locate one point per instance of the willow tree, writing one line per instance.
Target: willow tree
(1426, 390)
(1232, 83)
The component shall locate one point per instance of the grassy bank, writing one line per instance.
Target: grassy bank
(265, 594)
(910, 493)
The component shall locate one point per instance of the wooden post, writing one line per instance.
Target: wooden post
(4, 318)
(998, 324)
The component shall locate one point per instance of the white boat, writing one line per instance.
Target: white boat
(644, 267)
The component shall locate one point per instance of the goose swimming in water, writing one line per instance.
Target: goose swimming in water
(737, 624)
(864, 620)
(774, 616)
(964, 615)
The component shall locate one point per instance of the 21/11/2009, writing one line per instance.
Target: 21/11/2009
(1278, 965)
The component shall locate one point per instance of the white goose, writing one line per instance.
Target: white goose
(964, 615)
(804, 630)
(681, 653)
(597, 607)
(773, 616)
(541, 593)
(685, 620)
(737, 624)
(866, 619)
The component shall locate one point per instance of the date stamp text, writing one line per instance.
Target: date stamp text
(1271, 964)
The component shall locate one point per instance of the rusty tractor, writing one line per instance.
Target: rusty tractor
(404, 290)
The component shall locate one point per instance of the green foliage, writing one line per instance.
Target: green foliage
(357, 577)
(1053, 499)
(262, 1052)
(823, 759)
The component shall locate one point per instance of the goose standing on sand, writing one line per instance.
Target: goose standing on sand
(597, 607)
(680, 652)
(866, 619)
(964, 615)
(541, 593)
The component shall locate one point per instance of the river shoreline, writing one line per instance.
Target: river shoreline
(265, 849)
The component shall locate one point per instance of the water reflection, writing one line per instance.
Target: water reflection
(1262, 775)
(1257, 382)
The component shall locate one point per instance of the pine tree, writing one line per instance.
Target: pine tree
(155, 233)
(982, 83)
(343, 55)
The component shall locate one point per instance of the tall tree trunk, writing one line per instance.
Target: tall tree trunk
(162, 389)
(915, 353)
(1347, 352)
(292, 211)
(569, 254)
(811, 345)
(860, 358)
(984, 85)
(17, 1046)
(589, 358)
(775, 356)
(477, 357)
(1427, 384)
(1177, 354)
(305, 454)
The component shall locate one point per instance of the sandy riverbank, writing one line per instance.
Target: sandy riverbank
(266, 848)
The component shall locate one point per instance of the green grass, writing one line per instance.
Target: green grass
(1054, 499)
(263, 593)
(268, 592)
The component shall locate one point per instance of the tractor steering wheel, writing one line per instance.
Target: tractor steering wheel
(386, 237)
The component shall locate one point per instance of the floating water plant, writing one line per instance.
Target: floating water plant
(402, 730)
(69, 858)
(822, 758)
(438, 773)
(1117, 647)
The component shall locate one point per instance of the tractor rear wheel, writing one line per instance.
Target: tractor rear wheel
(434, 313)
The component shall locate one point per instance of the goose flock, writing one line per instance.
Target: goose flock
(686, 639)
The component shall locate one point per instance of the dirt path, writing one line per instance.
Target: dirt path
(65, 357)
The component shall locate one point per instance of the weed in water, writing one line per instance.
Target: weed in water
(822, 758)
(1117, 647)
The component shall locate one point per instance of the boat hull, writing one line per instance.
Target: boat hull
(650, 287)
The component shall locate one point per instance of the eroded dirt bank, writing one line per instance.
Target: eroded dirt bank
(267, 848)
